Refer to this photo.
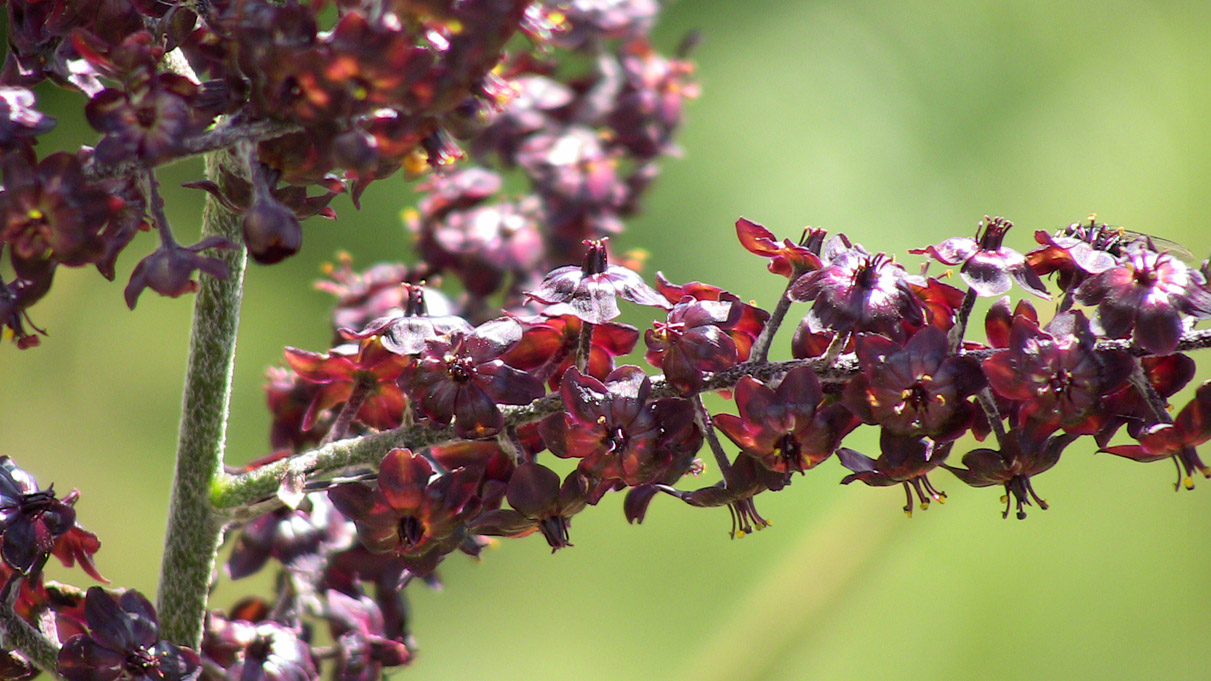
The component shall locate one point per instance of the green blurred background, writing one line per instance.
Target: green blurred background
(899, 123)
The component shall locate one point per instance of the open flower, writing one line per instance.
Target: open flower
(540, 503)
(591, 288)
(786, 430)
(1013, 467)
(1148, 293)
(988, 267)
(31, 519)
(693, 339)
(1176, 440)
(123, 643)
(904, 460)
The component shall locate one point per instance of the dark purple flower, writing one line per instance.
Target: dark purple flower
(1147, 292)
(988, 267)
(786, 429)
(31, 519)
(905, 460)
(856, 291)
(20, 122)
(540, 503)
(1055, 378)
(549, 342)
(258, 651)
(1176, 440)
(693, 340)
(1076, 252)
(788, 258)
(123, 643)
(1013, 466)
(412, 512)
(460, 376)
(590, 289)
(298, 538)
(610, 426)
(363, 649)
(169, 270)
(919, 389)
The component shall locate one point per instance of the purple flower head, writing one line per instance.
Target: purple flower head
(904, 459)
(590, 289)
(258, 651)
(31, 519)
(856, 291)
(461, 377)
(786, 430)
(123, 644)
(988, 267)
(1176, 440)
(1150, 293)
(540, 503)
(1012, 467)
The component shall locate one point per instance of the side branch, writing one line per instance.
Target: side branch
(222, 136)
(192, 536)
(246, 495)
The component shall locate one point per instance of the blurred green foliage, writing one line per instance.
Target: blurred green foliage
(899, 123)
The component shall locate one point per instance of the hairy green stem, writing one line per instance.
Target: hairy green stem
(17, 634)
(192, 538)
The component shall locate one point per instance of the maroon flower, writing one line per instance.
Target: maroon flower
(1076, 252)
(856, 291)
(347, 368)
(412, 512)
(987, 266)
(915, 390)
(363, 648)
(904, 460)
(692, 340)
(786, 430)
(460, 376)
(31, 519)
(48, 210)
(20, 122)
(123, 643)
(539, 502)
(258, 651)
(169, 270)
(590, 289)
(549, 342)
(1056, 379)
(1176, 440)
(747, 327)
(611, 427)
(1021, 459)
(1149, 292)
(746, 479)
(788, 258)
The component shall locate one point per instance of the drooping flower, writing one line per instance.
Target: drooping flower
(123, 643)
(1013, 466)
(258, 651)
(904, 460)
(412, 512)
(540, 503)
(788, 258)
(1176, 440)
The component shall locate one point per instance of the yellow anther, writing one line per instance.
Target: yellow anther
(940, 499)
(739, 534)
(925, 505)
(601, 420)
(908, 513)
(1004, 498)
(35, 214)
(557, 18)
(948, 273)
(1188, 482)
(454, 26)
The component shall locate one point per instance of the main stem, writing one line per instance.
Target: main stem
(192, 538)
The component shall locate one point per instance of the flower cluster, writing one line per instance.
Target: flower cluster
(437, 420)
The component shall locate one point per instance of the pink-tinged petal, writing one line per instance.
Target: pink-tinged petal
(756, 239)
(1194, 421)
(402, 478)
